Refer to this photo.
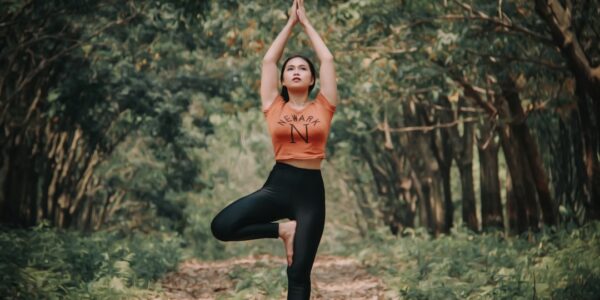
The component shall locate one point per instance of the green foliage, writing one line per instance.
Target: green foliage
(269, 282)
(560, 264)
(236, 162)
(170, 100)
(53, 264)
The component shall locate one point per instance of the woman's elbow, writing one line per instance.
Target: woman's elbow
(327, 58)
(269, 60)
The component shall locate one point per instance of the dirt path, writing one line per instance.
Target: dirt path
(333, 277)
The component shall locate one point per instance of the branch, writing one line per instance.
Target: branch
(46, 62)
(381, 127)
(18, 15)
(487, 141)
(559, 20)
(472, 91)
(547, 64)
(492, 118)
(380, 49)
(479, 15)
(459, 109)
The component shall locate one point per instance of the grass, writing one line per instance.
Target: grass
(45, 263)
(559, 264)
(554, 264)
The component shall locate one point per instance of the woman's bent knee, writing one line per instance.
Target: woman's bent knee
(219, 229)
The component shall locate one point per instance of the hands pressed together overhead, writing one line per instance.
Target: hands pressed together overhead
(269, 74)
(297, 13)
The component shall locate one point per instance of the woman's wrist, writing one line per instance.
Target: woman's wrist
(309, 29)
(306, 24)
(290, 24)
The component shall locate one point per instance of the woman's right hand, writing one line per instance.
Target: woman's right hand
(293, 17)
(269, 78)
(301, 13)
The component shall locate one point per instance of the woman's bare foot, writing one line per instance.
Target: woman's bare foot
(287, 230)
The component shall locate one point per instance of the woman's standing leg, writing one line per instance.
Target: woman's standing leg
(310, 218)
(309, 230)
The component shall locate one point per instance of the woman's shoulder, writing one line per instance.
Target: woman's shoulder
(267, 106)
(322, 99)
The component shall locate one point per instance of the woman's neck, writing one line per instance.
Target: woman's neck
(298, 98)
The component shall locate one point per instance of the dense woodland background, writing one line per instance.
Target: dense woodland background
(140, 119)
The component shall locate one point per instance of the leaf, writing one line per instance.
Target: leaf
(454, 96)
(117, 284)
(53, 95)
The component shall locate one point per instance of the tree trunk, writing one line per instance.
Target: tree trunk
(425, 158)
(590, 153)
(13, 189)
(462, 150)
(515, 210)
(528, 144)
(447, 189)
(406, 211)
(443, 156)
(523, 193)
(385, 180)
(491, 204)
(428, 178)
(442, 147)
(560, 21)
(465, 167)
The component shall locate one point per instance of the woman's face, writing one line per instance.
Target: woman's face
(296, 74)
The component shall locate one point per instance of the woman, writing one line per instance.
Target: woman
(299, 130)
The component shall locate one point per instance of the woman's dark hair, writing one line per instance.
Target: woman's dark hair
(284, 91)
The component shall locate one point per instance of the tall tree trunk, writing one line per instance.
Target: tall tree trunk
(465, 168)
(442, 147)
(4, 170)
(590, 153)
(419, 182)
(447, 189)
(13, 186)
(515, 210)
(559, 16)
(444, 210)
(426, 218)
(491, 204)
(528, 144)
(385, 181)
(32, 180)
(560, 24)
(462, 150)
(429, 169)
(523, 193)
(406, 211)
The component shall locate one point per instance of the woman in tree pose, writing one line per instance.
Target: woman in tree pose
(299, 129)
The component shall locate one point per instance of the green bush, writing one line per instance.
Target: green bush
(51, 264)
(555, 264)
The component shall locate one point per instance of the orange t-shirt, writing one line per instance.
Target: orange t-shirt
(299, 134)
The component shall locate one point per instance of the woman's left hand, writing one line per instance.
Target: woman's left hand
(302, 13)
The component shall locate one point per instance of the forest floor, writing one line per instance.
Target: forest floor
(333, 277)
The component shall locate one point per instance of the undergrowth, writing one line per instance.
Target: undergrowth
(554, 264)
(45, 263)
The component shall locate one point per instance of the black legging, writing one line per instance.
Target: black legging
(289, 192)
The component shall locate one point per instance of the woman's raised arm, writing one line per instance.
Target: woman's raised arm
(269, 78)
(327, 69)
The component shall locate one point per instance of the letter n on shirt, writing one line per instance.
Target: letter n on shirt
(303, 137)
